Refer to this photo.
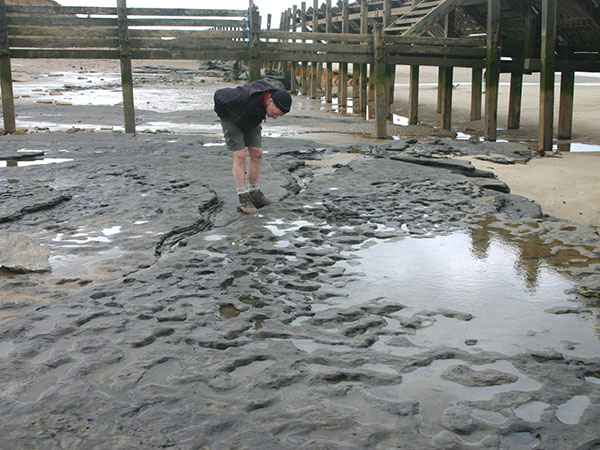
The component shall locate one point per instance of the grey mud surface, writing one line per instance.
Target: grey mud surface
(169, 320)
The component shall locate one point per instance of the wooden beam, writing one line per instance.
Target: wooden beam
(565, 112)
(440, 12)
(492, 78)
(548, 59)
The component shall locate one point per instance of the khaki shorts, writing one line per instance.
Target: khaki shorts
(237, 139)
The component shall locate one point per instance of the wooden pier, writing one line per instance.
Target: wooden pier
(519, 37)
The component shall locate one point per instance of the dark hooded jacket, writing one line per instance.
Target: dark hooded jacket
(243, 105)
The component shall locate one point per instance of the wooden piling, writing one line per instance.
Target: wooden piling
(255, 46)
(8, 101)
(514, 102)
(547, 75)
(329, 70)
(303, 78)
(363, 82)
(380, 98)
(476, 91)
(492, 78)
(447, 77)
(440, 84)
(390, 69)
(126, 71)
(343, 74)
(314, 70)
(565, 112)
(293, 81)
(413, 96)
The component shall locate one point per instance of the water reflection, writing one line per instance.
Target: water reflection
(531, 253)
(507, 284)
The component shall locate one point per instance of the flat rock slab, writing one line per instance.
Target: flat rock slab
(19, 253)
(15, 156)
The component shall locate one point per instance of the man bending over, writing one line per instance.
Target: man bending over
(242, 110)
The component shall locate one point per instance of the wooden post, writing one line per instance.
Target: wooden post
(303, 79)
(8, 100)
(380, 99)
(492, 76)
(126, 72)
(439, 89)
(286, 27)
(329, 73)
(547, 75)
(565, 112)
(314, 72)
(390, 69)
(254, 46)
(282, 19)
(413, 96)
(343, 75)
(362, 95)
(293, 81)
(476, 91)
(514, 103)
(447, 75)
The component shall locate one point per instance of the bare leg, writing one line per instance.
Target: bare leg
(239, 168)
(254, 164)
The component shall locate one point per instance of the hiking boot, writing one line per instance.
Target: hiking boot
(245, 205)
(258, 198)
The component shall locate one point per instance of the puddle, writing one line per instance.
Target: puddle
(532, 411)
(229, 311)
(506, 286)
(576, 147)
(571, 411)
(254, 302)
(77, 266)
(275, 228)
(33, 162)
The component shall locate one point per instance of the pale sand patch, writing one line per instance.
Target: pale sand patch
(566, 185)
